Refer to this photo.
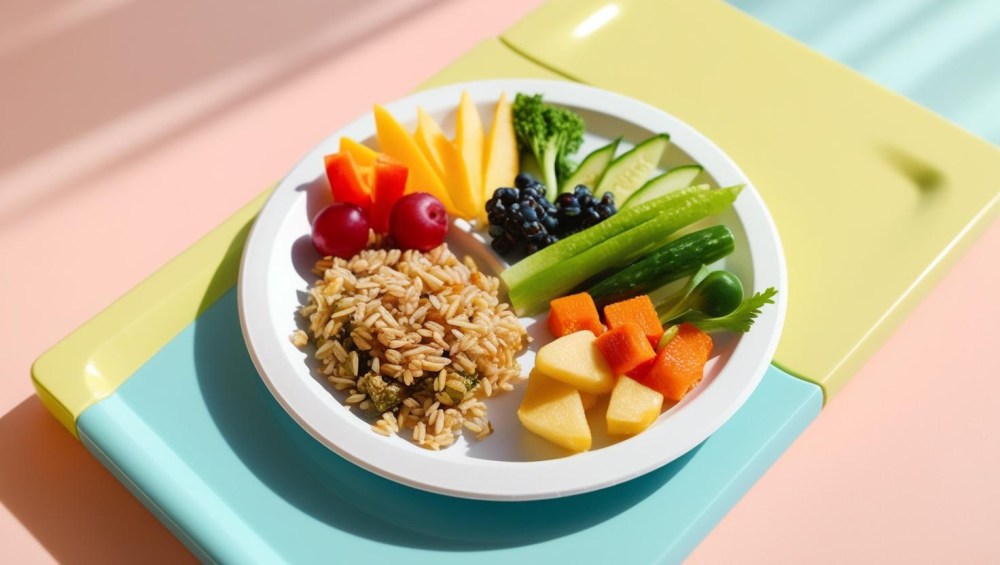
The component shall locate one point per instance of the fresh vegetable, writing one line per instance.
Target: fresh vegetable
(738, 320)
(522, 215)
(575, 360)
(674, 260)
(674, 179)
(625, 348)
(388, 185)
(345, 180)
(570, 247)
(469, 139)
(632, 408)
(501, 158)
(680, 364)
(592, 167)
(639, 311)
(712, 293)
(669, 333)
(553, 410)
(340, 230)
(556, 270)
(396, 142)
(570, 314)
(419, 221)
(630, 171)
(550, 133)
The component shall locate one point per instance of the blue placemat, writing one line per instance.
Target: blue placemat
(198, 438)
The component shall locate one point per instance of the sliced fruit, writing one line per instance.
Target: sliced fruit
(388, 186)
(570, 314)
(632, 169)
(364, 158)
(426, 136)
(575, 360)
(345, 180)
(592, 168)
(632, 408)
(625, 348)
(553, 410)
(443, 151)
(589, 400)
(680, 364)
(395, 141)
(469, 139)
(501, 158)
(638, 310)
(674, 179)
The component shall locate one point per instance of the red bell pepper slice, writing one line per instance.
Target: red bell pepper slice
(388, 186)
(346, 181)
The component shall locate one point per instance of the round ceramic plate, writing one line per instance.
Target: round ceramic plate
(512, 463)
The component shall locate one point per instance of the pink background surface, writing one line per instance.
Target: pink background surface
(131, 128)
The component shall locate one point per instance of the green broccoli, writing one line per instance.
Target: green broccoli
(550, 133)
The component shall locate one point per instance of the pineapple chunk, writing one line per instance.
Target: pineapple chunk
(554, 411)
(633, 407)
(575, 360)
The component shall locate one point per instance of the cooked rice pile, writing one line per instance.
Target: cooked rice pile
(415, 339)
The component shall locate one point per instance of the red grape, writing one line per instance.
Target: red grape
(340, 230)
(419, 221)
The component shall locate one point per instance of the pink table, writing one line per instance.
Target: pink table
(131, 129)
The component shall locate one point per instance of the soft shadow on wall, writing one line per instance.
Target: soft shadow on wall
(90, 84)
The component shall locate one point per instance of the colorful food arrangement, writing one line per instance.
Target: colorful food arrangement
(417, 337)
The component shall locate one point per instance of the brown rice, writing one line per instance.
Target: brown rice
(416, 340)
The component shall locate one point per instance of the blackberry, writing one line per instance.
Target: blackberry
(521, 218)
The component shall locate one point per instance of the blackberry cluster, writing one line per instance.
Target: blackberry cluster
(522, 215)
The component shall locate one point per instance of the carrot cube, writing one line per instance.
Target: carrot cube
(680, 365)
(570, 314)
(638, 310)
(625, 348)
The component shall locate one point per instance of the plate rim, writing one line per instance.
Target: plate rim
(561, 476)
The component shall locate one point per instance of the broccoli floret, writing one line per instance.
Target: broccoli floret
(550, 133)
(384, 396)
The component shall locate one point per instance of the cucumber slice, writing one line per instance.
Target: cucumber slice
(676, 178)
(632, 169)
(592, 168)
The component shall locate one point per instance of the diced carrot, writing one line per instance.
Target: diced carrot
(625, 348)
(680, 364)
(573, 313)
(638, 310)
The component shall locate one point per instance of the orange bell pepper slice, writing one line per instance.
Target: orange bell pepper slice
(346, 181)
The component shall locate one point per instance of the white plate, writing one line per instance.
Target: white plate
(511, 464)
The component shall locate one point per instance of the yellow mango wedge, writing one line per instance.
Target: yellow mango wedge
(501, 157)
(451, 167)
(575, 360)
(363, 155)
(426, 135)
(553, 410)
(632, 408)
(396, 142)
(364, 158)
(469, 139)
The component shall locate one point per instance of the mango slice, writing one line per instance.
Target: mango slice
(501, 150)
(469, 139)
(396, 142)
(632, 408)
(363, 155)
(449, 163)
(575, 360)
(554, 411)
